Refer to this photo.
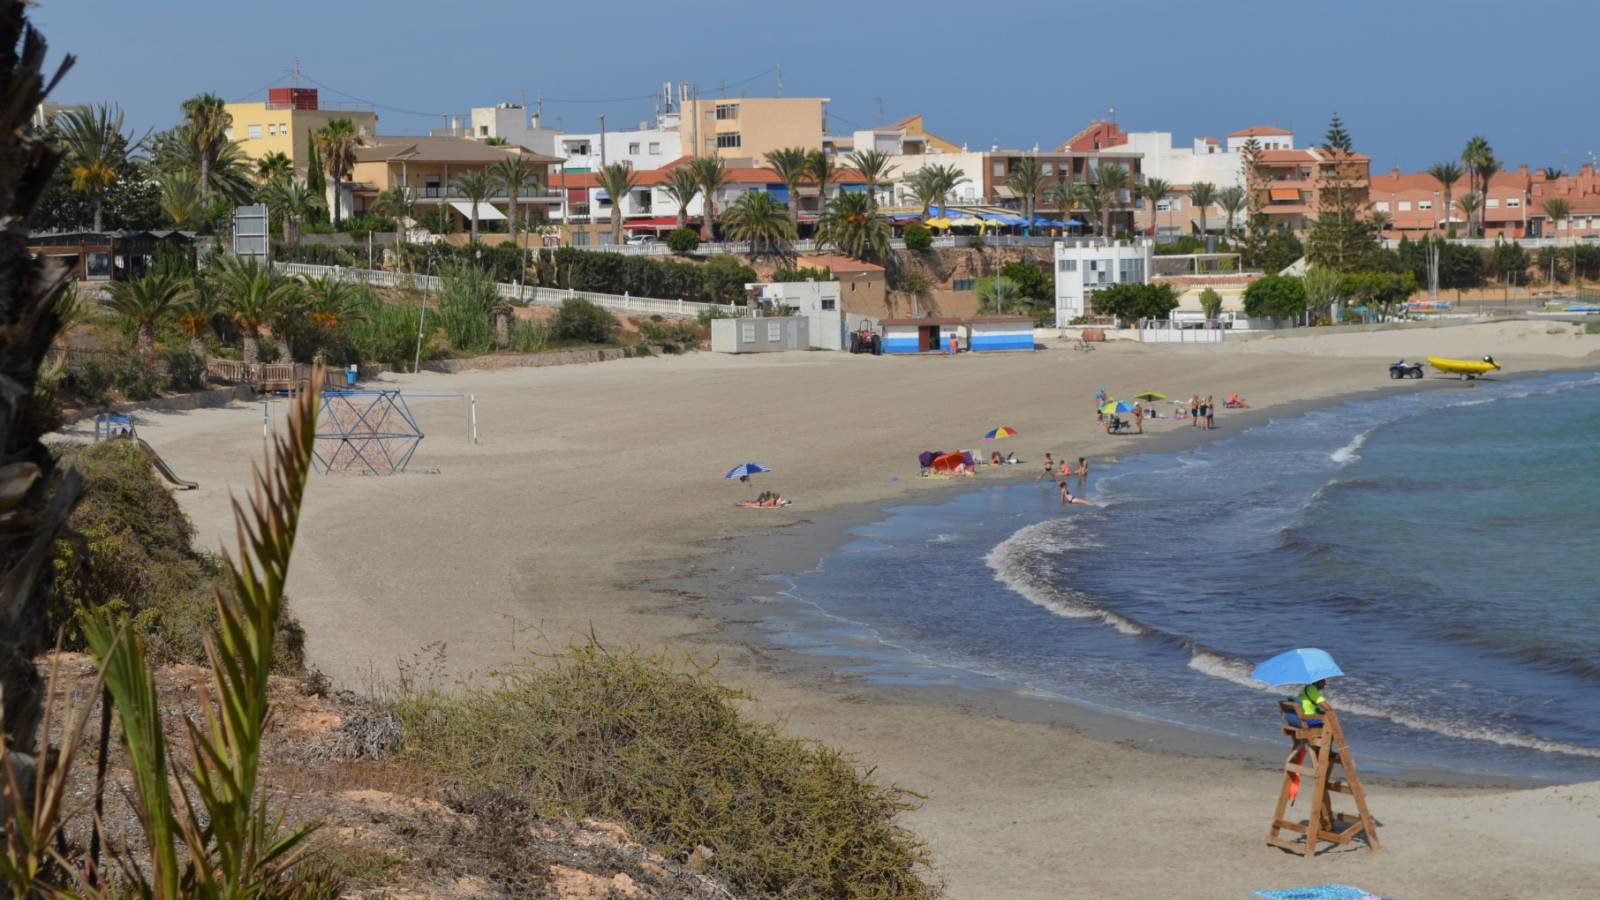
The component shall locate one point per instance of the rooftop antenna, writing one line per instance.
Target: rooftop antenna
(780, 79)
(1113, 112)
(294, 72)
(880, 110)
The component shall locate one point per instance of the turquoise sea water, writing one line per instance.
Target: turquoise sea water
(1443, 545)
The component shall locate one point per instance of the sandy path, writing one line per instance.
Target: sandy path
(589, 477)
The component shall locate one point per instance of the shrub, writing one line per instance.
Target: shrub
(139, 556)
(1210, 304)
(1183, 245)
(580, 320)
(917, 237)
(385, 334)
(186, 370)
(671, 337)
(1275, 296)
(1135, 301)
(129, 374)
(528, 337)
(713, 312)
(725, 278)
(666, 751)
(683, 240)
(467, 299)
(316, 254)
(803, 273)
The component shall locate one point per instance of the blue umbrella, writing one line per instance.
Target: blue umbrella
(745, 470)
(1301, 666)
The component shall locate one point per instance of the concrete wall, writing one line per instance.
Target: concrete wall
(986, 336)
(763, 335)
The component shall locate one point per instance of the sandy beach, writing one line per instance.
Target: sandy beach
(588, 480)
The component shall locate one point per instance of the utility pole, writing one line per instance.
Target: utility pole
(603, 141)
(694, 129)
(780, 79)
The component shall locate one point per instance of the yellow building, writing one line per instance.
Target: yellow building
(747, 128)
(284, 123)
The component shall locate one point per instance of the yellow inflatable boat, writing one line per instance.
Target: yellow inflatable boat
(1470, 368)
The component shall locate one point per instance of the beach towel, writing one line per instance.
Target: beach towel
(1319, 892)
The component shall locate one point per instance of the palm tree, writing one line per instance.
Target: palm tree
(227, 172)
(1487, 167)
(295, 201)
(819, 166)
(1447, 173)
(329, 302)
(1468, 204)
(1112, 180)
(180, 198)
(710, 172)
(397, 203)
(933, 184)
(514, 172)
(1026, 181)
(202, 303)
(1154, 190)
(617, 179)
(851, 224)
(336, 143)
(252, 296)
(480, 186)
(682, 186)
(1231, 200)
(875, 169)
(1202, 194)
(1551, 173)
(206, 123)
(1095, 200)
(274, 167)
(1476, 151)
(147, 303)
(792, 167)
(95, 147)
(1556, 210)
(754, 217)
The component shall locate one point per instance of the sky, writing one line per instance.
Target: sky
(1412, 79)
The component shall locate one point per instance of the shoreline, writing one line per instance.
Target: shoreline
(735, 582)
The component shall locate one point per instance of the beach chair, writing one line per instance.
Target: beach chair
(1322, 740)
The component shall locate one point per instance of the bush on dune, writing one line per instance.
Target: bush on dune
(664, 750)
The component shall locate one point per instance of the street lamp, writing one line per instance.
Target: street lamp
(422, 315)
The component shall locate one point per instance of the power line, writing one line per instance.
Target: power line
(275, 79)
(375, 105)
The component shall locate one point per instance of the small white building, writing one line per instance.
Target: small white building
(817, 302)
(1085, 266)
(759, 335)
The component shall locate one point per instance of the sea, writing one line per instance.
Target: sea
(1442, 543)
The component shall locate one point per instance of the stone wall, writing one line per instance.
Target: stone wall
(525, 360)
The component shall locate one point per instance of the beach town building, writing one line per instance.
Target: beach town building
(988, 173)
(745, 129)
(100, 256)
(1267, 137)
(1084, 266)
(507, 123)
(1288, 185)
(428, 167)
(649, 146)
(1206, 159)
(285, 121)
(1413, 204)
(1579, 190)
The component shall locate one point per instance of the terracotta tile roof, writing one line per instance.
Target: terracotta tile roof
(1309, 154)
(1261, 131)
(425, 148)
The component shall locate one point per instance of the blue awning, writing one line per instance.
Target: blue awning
(853, 188)
(778, 192)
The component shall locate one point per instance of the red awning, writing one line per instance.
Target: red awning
(578, 195)
(651, 224)
(1285, 194)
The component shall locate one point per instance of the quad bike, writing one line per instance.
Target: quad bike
(1403, 369)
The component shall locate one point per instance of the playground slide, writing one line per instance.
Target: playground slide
(164, 469)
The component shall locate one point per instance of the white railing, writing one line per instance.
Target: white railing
(742, 248)
(521, 293)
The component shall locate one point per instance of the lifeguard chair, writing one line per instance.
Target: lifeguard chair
(1320, 738)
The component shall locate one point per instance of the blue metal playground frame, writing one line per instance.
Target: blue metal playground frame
(361, 439)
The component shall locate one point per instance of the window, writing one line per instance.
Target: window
(1513, 202)
(1405, 206)
(483, 131)
(1066, 265)
(283, 128)
(272, 129)
(747, 332)
(727, 110)
(227, 133)
(655, 148)
(963, 284)
(1130, 270)
(1091, 265)
(97, 265)
(1424, 204)
(633, 148)
(827, 303)
(1047, 168)
(1381, 206)
(774, 331)
(255, 132)
(1176, 203)
(999, 170)
(731, 139)
(1492, 203)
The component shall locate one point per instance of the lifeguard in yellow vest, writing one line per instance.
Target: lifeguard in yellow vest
(1312, 702)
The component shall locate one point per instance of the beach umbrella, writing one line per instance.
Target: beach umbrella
(1301, 666)
(1116, 406)
(743, 471)
(1151, 395)
(937, 222)
(1000, 432)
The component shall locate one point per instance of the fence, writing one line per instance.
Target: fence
(1162, 331)
(268, 376)
(521, 293)
(742, 248)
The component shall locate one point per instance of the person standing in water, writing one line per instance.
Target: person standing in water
(1083, 473)
(1049, 470)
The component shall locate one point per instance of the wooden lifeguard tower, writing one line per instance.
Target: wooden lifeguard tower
(1320, 738)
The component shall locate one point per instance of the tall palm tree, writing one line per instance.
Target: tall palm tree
(479, 186)
(206, 123)
(336, 144)
(819, 166)
(1468, 204)
(1476, 151)
(1154, 190)
(933, 184)
(95, 147)
(274, 167)
(1447, 173)
(682, 186)
(1487, 168)
(1095, 199)
(514, 172)
(1231, 200)
(617, 179)
(202, 303)
(1556, 210)
(398, 203)
(226, 171)
(875, 169)
(710, 172)
(754, 217)
(1114, 180)
(295, 201)
(1551, 173)
(851, 224)
(1202, 194)
(1027, 181)
(792, 167)
(1065, 195)
(252, 297)
(147, 303)
(180, 197)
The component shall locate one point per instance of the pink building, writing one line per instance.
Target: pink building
(1580, 190)
(1415, 204)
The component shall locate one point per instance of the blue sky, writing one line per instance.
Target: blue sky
(1413, 79)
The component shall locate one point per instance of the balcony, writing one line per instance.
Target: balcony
(533, 193)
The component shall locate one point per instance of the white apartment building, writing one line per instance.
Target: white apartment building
(1085, 266)
(646, 147)
(507, 122)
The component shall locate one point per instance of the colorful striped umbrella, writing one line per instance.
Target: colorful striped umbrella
(1116, 406)
(1000, 432)
(745, 470)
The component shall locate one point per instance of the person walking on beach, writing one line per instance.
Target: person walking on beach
(1049, 470)
(1099, 401)
(1138, 417)
(1194, 411)
(1211, 412)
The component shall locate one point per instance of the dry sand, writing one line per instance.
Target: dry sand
(588, 478)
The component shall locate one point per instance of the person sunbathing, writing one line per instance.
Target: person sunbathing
(1235, 401)
(1067, 499)
(995, 459)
